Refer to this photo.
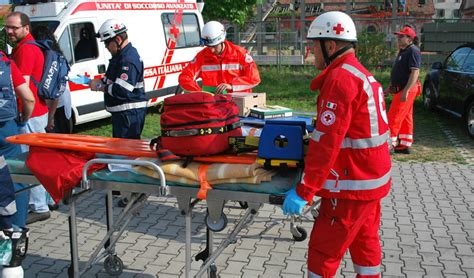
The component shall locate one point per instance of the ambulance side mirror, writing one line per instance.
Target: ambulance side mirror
(101, 68)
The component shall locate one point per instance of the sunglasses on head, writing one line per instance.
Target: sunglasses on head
(206, 41)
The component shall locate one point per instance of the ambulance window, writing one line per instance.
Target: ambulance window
(84, 41)
(50, 25)
(65, 45)
(187, 31)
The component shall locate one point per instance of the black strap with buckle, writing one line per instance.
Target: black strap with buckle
(202, 131)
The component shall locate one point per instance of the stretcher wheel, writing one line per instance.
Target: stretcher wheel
(244, 205)
(302, 234)
(113, 265)
(216, 226)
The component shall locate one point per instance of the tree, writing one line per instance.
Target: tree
(372, 49)
(234, 11)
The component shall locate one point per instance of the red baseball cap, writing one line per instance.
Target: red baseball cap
(406, 31)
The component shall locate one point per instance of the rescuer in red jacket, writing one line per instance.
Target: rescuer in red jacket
(348, 161)
(221, 65)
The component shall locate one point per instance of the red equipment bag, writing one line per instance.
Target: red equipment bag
(59, 170)
(198, 124)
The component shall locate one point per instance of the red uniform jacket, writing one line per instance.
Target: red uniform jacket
(234, 66)
(348, 155)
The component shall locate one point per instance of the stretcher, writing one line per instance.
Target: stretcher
(251, 197)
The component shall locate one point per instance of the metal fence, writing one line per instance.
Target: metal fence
(280, 40)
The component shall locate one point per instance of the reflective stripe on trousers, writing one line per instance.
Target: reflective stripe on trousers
(367, 270)
(313, 275)
(361, 270)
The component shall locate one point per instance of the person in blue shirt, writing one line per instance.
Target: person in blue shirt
(405, 87)
(123, 85)
(13, 209)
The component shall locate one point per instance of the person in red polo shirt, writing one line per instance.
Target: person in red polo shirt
(30, 60)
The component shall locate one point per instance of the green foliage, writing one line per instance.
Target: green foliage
(234, 11)
(282, 14)
(3, 38)
(372, 49)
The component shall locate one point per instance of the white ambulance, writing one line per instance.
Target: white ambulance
(166, 34)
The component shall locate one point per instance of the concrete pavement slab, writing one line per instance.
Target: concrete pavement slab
(427, 231)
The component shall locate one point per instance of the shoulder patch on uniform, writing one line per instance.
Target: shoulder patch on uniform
(248, 58)
(124, 76)
(328, 118)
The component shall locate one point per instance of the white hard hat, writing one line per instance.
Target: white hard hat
(213, 33)
(333, 25)
(110, 28)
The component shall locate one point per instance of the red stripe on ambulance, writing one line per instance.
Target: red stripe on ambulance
(172, 43)
(132, 6)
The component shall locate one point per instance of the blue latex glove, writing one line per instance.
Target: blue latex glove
(293, 203)
(80, 79)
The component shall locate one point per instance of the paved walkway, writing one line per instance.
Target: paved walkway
(427, 231)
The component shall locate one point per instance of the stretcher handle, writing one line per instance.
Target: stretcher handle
(85, 181)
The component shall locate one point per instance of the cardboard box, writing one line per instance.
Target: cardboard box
(245, 101)
(270, 112)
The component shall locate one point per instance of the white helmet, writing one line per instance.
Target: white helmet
(333, 25)
(213, 33)
(110, 28)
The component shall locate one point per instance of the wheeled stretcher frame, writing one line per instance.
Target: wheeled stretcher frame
(215, 220)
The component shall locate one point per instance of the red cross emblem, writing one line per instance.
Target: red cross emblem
(338, 29)
(328, 118)
(174, 31)
(116, 26)
(33, 10)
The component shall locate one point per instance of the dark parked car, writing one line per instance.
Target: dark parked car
(449, 86)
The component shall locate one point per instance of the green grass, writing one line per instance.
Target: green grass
(430, 143)
(104, 127)
(290, 87)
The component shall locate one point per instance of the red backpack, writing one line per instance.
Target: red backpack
(199, 123)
